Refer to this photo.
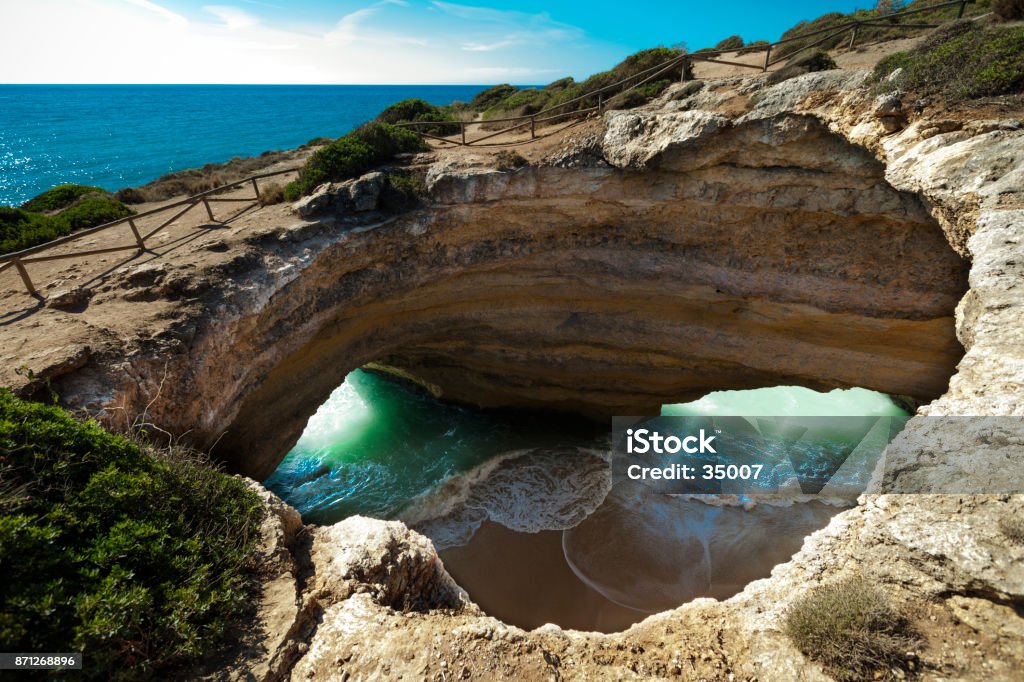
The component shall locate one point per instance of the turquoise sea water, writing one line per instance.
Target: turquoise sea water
(379, 446)
(115, 136)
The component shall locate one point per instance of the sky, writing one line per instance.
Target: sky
(362, 41)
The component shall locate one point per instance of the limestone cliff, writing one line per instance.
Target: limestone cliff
(660, 254)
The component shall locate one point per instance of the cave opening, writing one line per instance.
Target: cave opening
(777, 257)
(522, 508)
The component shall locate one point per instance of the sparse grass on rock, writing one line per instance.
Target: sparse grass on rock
(1012, 527)
(508, 159)
(854, 630)
(138, 558)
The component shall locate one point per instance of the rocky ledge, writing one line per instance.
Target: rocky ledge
(813, 236)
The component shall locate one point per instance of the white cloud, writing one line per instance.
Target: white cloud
(232, 17)
(159, 10)
(388, 41)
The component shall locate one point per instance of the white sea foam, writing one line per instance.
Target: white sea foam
(525, 490)
(342, 417)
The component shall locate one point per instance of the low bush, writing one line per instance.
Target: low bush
(21, 229)
(507, 159)
(60, 197)
(365, 147)
(130, 195)
(402, 192)
(754, 46)
(140, 561)
(730, 43)
(805, 62)
(852, 629)
(417, 110)
(960, 62)
(90, 212)
(1013, 528)
(271, 194)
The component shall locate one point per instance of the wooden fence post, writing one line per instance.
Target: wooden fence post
(963, 5)
(462, 127)
(684, 70)
(256, 187)
(209, 211)
(767, 57)
(24, 276)
(533, 127)
(138, 237)
(853, 36)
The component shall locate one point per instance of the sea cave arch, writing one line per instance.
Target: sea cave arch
(760, 254)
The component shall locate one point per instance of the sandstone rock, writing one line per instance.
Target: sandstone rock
(69, 299)
(397, 568)
(364, 192)
(316, 203)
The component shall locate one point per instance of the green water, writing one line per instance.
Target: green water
(377, 444)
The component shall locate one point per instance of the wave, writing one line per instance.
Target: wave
(527, 491)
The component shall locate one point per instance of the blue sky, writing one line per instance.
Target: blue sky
(361, 41)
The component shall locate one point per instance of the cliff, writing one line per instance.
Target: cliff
(695, 244)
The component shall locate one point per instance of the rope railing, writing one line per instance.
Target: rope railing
(19, 259)
(681, 62)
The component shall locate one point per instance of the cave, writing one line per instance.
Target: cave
(766, 253)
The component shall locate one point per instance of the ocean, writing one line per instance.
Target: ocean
(117, 136)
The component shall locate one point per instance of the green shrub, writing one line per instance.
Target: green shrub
(491, 97)
(754, 46)
(414, 110)
(730, 43)
(960, 62)
(60, 197)
(365, 147)
(402, 192)
(852, 629)
(90, 212)
(805, 62)
(292, 191)
(1008, 10)
(21, 229)
(140, 561)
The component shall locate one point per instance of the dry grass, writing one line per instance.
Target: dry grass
(1013, 528)
(854, 630)
(271, 194)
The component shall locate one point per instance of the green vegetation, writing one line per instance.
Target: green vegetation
(21, 228)
(138, 559)
(852, 629)
(60, 197)
(505, 100)
(730, 43)
(413, 110)
(365, 147)
(402, 192)
(870, 34)
(961, 61)
(805, 62)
